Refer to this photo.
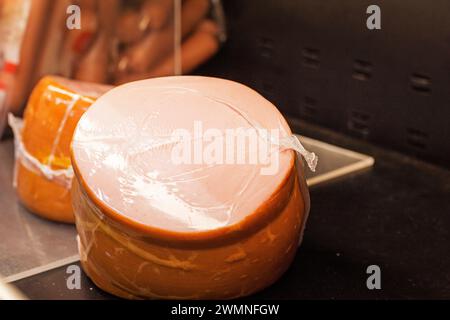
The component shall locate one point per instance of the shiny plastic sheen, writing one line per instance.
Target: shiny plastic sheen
(43, 172)
(150, 228)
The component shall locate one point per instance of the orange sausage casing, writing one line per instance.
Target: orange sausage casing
(152, 15)
(42, 145)
(196, 49)
(128, 27)
(152, 228)
(77, 42)
(157, 13)
(160, 44)
(53, 41)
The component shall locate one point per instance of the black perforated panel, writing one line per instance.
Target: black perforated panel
(317, 61)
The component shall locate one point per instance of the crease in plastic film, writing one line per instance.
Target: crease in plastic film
(61, 176)
(288, 142)
(118, 147)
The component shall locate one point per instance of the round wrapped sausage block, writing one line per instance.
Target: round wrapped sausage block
(183, 190)
(43, 169)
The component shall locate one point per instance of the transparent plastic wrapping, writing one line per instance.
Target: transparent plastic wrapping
(102, 41)
(62, 177)
(43, 173)
(152, 225)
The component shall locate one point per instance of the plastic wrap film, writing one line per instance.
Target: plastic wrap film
(43, 172)
(152, 225)
(62, 177)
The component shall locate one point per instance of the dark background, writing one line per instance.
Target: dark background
(316, 60)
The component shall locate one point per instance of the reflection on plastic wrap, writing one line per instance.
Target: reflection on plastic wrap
(114, 153)
(152, 227)
(59, 176)
(43, 171)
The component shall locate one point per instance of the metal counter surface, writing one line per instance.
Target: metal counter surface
(25, 239)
